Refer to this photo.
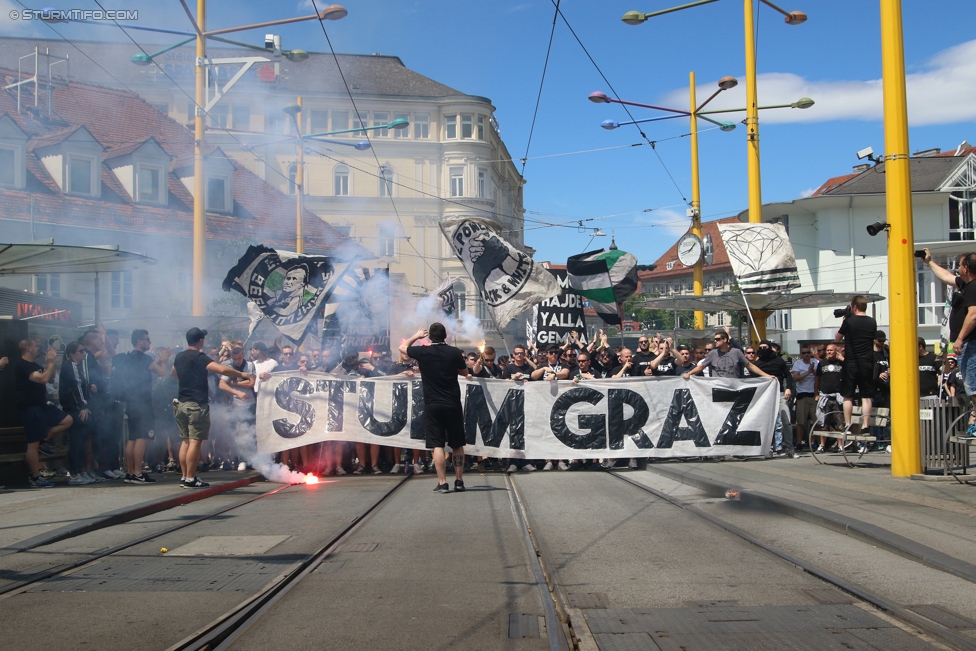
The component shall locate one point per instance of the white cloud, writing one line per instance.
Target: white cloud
(807, 193)
(943, 92)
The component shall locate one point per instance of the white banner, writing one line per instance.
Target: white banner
(649, 417)
(761, 256)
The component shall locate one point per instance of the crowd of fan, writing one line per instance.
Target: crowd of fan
(116, 408)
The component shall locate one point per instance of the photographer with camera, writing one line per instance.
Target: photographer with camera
(857, 331)
(962, 318)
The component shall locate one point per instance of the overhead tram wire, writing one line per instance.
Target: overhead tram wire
(545, 66)
(359, 116)
(617, 96)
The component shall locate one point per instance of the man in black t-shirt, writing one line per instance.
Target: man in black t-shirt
(858, 331)
(644, 355)
(552, 368)
(40, 420)
(440, 366)
(192, 405)
(486, 367)
(827, 384)
(626, 366)
(929, 369)
(520, 368)
(132, 381)
(663, 363)
(682, 360)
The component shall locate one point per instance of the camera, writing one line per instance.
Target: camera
(842, 312)
(920, 255)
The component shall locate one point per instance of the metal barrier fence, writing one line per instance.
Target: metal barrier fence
(935, 418)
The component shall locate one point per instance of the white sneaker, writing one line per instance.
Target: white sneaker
(529, 467)
(95, 479)
(377, 471)
(340, 470)
(609, 463)
(418, 469)
(548, 466)
(119, 474)
(562, 465)
(633, 464)
(241, 467)
(513, 468)
(80, 480)
(396, 469)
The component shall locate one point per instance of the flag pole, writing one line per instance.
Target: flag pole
(749, 312)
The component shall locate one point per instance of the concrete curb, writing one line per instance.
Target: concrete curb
(856, 529)
(120, 516)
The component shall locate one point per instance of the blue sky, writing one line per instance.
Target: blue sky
(497, 49)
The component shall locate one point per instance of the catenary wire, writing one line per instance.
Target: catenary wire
(538, 99)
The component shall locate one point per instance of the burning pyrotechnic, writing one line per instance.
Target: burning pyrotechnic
(311, 479)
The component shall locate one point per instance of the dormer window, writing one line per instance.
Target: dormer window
(142, 170)
(217, 199)
(219, 184)
(81, 175)
(13, 149)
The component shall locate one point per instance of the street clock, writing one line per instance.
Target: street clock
(690, 250)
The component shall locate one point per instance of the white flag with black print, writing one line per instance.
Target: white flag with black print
(761, 256)
(446, 298)
(289, 289)
(508, 279)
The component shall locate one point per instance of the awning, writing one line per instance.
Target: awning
(768, 302)
(46, 257)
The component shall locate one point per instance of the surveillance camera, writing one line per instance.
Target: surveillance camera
(867, 152)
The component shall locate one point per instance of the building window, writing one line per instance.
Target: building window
(216, 195)
(8, 167)
(48, 284)
(292, 174)
(708, 248)
(340, 178)
(318, 121)
(670, 265)
(481, 127)
(450, 123)
(482, 184)
(386, 181)
(340, 120)
(467, 126)
(344, 229)
(931, 298)
(122, 289)
(381, 119)
(401, 133)
(387, 241)
(218, 116)
(275, 122)
(191, 111)
(240, 116)
(482, 307)
(80, 175)
(358, 123)
(457, 181)
(148, 189)
(460, 293)
(961, 225)
(421, 126)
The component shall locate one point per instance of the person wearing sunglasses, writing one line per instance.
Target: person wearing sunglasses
(725, 361)
(804, 374)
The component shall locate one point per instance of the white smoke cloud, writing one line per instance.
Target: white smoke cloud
(943, 92)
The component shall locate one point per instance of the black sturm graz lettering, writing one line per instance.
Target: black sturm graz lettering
(510, 418)
(619, 427)
(595, 425)
(730, 434)
(683, 405)
(337, 401)
(398, 412)
(418, 430)
(305, 411)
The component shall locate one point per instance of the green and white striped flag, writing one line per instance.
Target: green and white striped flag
(605, 278)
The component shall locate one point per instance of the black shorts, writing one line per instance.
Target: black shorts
(141, 423)
(858, 375)
(444, 424)
(38, 419)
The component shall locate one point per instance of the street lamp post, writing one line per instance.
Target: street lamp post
(752, 103)
(695, 111)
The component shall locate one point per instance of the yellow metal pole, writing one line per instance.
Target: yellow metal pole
(300, 183)
(752, 120)
(199, 181)
(906, 457)
(696, 200)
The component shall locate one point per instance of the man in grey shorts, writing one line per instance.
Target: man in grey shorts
(192, 405)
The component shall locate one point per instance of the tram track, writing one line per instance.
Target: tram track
(576, 631)
(26, 584)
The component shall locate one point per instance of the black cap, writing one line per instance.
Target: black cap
(193, 335)
(683, 347)
(260, 346)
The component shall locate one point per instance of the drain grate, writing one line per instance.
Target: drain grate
(357, 547)
(525, 625)
(167, 575)
(588, 600)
